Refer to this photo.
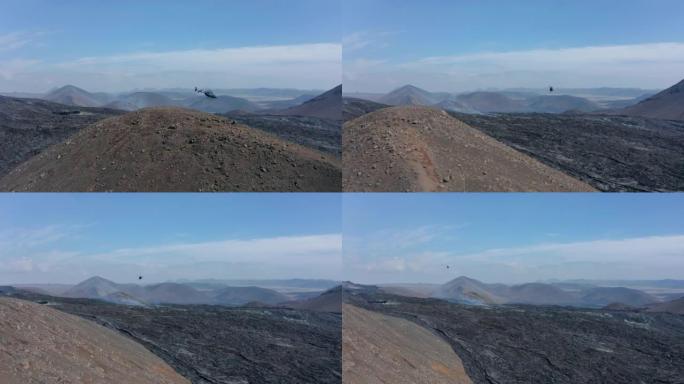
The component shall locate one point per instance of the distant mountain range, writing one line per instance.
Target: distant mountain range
(277, 101)
(489, 101)
(470, 291)
(213, 292)
(668, 104)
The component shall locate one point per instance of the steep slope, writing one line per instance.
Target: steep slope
(43, 345)
(174, 149)
(612, 153)
(410, 95)
(425, 149)
(71, 95)
(243, 295)
(668, 104)
(326, 106)
(27, 126)
(546, 344)
(222, 104)
(353, 108)
(94, 288)
(377, 349)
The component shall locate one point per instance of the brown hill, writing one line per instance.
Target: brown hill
(411, 95)
(71, 95)
(424, 149)
(377, 348)
(43, 345)
(174, 149)
(325, 106)
(668, 104)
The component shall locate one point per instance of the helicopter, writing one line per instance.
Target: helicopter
(207, 92)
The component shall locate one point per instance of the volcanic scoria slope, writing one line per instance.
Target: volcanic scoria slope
(43, 345)
(212, 344)
(175, 149)
(511, 344)
(416, 148)
(386, 349)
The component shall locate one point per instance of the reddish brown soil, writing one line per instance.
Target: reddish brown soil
(175, 149)
(415, 148)
(43, 345)
(377, 348)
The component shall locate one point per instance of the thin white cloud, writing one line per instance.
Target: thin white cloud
(629, 258)
(305, 66)
(317, 256)
(364, 39)
(653, 65)
(15, 40)
(202, 59)
(301, 249)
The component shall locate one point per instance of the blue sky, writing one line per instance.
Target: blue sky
(512, 237)
(291, 44)
(463, 45)
(65, 238)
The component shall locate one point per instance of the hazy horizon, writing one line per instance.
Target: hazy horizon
(67, 238)
(467, 45)
(557, 90)
(511, 238)
(169, 44)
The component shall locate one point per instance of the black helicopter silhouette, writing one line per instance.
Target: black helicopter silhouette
(207, 92)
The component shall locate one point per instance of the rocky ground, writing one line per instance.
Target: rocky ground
(353, 107)
(175, 149)
(612, 153)
(422, 149)
(42, 345)
(214, 344)
(545, 344)
(320, 134)
(386, 349)
(27, 126)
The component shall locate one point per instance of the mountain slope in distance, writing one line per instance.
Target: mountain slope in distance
(174, 149)
(74, 96)
(326, 106)
(668, 104)
(411, 95)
